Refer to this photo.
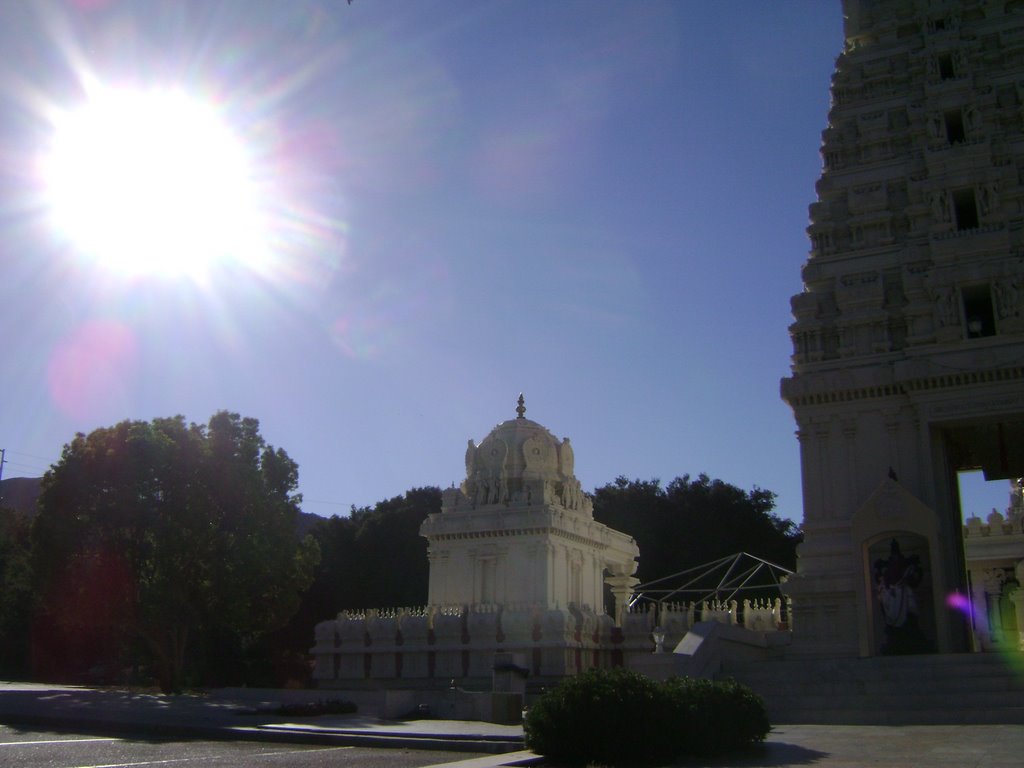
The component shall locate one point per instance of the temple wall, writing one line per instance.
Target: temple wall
(416, 646)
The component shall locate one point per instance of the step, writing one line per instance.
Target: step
(1005, 715)
(936, 689)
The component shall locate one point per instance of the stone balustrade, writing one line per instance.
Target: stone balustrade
(994, 525)
(457, 642)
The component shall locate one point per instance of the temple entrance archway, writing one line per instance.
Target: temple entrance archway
(992, 533)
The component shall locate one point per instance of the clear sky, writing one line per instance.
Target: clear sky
(599, 204)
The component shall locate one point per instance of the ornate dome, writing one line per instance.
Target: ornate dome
(521, 462)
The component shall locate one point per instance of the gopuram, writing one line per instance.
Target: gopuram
(908, 340)
(518, 567)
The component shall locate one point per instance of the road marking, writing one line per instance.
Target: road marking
(208, 757)
(303, 751)
(51, 741)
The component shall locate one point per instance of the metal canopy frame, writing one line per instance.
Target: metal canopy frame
(730, 575)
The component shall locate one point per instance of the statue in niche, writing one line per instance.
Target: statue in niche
(940, 206)
(936, 128)
(946, 308)
(959, 63)
(896, 579)
(1008, 297)
(987, 198)
(972, 119)
(482, 492)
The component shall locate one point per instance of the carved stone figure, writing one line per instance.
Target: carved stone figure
(972, 119)
(946, 310)
(940, 206)
(568, 457)
(987, 198)
(1008, 297)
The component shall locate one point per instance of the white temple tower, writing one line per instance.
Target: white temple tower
(908, 359)
(520, 532)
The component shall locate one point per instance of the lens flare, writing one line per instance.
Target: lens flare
(1008, 649)
(959, 602)
(92, 371)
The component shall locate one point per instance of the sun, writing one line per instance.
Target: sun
(152, 182)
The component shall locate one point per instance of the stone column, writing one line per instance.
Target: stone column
(1017, 597)
(622, 589)
(994, 580)
(979, 609)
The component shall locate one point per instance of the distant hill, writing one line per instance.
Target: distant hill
(20, 494)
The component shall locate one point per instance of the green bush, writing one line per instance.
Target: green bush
(618, 717)
(716, 717)
(615, 717)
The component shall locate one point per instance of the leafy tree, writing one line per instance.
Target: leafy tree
(173, 540)
(15, 592)
(373, 558)
(695, 521)
(391, 556)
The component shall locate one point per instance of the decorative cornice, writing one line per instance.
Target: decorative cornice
(905, 388)
(501, 533)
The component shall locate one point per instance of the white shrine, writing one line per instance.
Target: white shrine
(519, 531)
(518, 570)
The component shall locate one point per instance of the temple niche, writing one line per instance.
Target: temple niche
(520, 530)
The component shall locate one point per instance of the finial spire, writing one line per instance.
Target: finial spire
(521, 408)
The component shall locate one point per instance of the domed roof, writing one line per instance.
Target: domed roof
(520, 460)
(520, 448)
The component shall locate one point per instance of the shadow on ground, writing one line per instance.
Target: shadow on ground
(767, 755)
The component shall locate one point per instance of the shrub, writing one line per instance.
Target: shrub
(618, 717)
(716, 717)
(615, 717)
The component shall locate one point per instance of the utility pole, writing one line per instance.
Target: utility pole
(3, 460)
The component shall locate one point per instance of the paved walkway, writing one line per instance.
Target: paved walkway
(220, 716)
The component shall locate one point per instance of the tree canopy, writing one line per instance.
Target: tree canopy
(15, 591)
(373, 558)
(173, 540)
(695, 521)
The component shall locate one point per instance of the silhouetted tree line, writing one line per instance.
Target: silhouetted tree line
(169, 552)
(691, 522)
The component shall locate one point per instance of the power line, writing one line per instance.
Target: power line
(30, 455)
(33, 467)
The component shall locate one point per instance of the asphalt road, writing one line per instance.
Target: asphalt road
(26, 748)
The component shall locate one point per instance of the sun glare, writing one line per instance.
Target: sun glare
(152, 182)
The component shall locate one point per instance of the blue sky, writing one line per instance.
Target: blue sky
(599, 204)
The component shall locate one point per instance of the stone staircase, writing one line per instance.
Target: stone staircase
(894, 690)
